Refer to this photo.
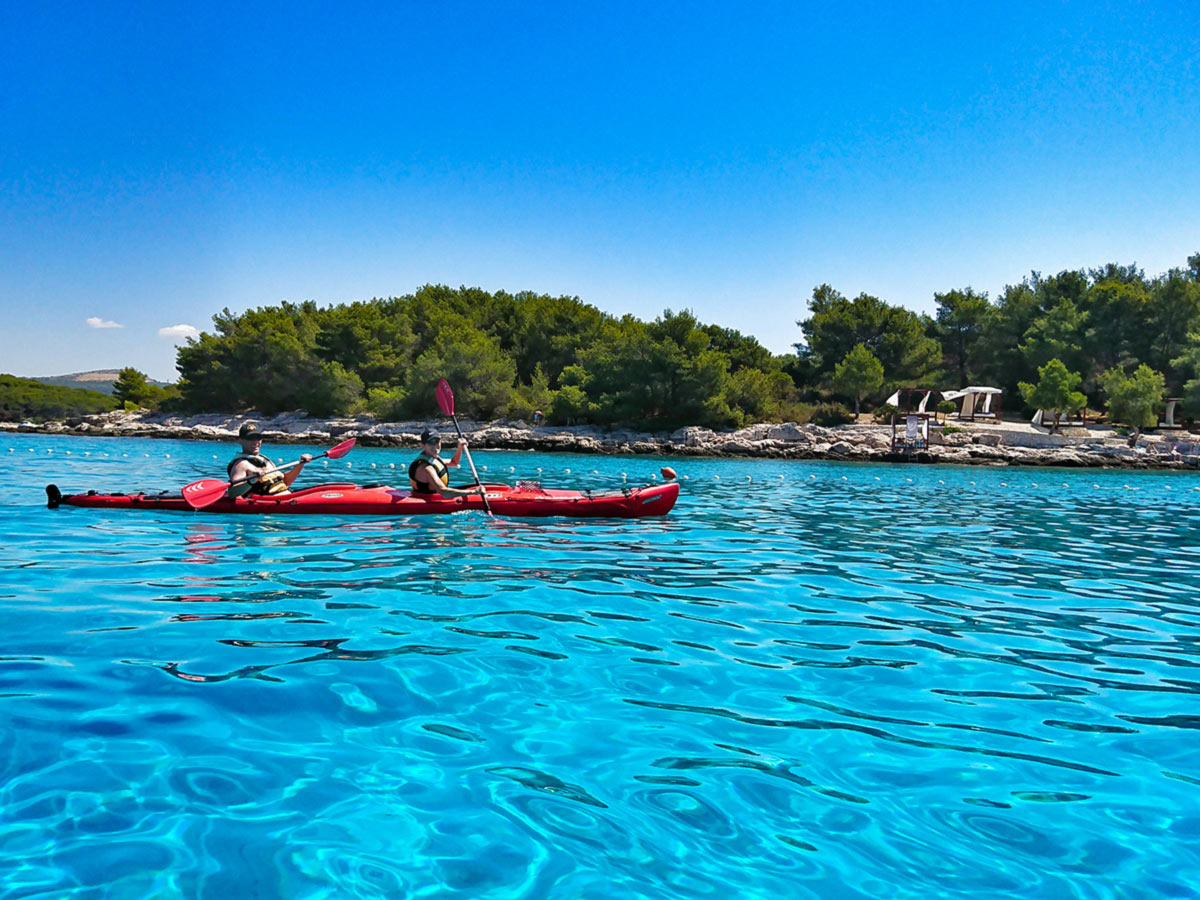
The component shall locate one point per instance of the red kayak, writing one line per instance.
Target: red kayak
(380, 500)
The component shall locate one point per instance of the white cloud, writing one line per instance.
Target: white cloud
(97, 322)
(178, 332)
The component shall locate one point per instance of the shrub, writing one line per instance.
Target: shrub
(387, 404)
(794, 411)
(828, 414)
(884, 412)
(951, 429)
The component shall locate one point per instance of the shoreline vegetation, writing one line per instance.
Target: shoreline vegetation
(986, 444)
(1062, 347)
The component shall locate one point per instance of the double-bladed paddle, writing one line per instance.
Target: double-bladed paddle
(208, 491)
(445, 399)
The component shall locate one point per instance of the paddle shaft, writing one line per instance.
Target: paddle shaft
(471, 463)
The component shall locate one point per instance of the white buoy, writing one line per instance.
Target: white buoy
(749, 478)
(940, 481)
(716, 478)
(372, 465)
(972, 482)
(349, 465)
(1004, 484)
(484, 468)
(595, 471)
(844, 478)
(539, 468)
(87, 452)
(391, 465)
(324, 462)
(567, 471)
(781, 478)
(623, 476)
(511, 469)
(812, 476)
(1035, 484)
(168, 456)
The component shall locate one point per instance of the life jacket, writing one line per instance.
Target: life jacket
(439, 469)
(271, 483)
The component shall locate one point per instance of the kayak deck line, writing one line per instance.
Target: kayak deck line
(380, 499)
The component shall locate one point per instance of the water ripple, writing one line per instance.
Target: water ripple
(827, 681)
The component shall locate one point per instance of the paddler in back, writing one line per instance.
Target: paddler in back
(251, 464)
(430, 474)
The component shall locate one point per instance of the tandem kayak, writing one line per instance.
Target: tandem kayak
(381, 500)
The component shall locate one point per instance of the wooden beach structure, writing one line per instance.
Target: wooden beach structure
(976, 401)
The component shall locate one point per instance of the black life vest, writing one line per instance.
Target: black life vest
(271, 483)
(439, 469)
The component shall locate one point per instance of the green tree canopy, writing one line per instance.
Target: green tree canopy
(1134, 399)
(896, 336)
(509, 353)
(481, 374)
(135, 388)
(658, 375)
(858, 375)
(959, 326)
(1188, 363)
(1055, 390)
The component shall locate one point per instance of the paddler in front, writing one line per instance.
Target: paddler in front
(430, 474)
(261, 476)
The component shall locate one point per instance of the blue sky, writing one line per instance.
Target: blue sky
(159, 162)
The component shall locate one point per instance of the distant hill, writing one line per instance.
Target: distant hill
(97, 380)
(30, 398)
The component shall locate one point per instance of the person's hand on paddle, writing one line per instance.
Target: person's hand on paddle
(456, 459)
(294, 472)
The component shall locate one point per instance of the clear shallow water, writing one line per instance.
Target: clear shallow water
(831, 681)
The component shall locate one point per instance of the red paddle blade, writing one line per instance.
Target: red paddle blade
(445, 397)
(341, 449)
(204, 492)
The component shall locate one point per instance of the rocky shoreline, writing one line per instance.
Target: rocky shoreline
(994, 444)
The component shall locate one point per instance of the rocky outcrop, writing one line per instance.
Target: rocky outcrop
(990, 446)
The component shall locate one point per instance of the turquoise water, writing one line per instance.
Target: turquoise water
(810, 680)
